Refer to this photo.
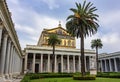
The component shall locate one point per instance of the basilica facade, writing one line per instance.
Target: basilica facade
(38, 58)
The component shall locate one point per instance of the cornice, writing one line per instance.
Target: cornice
(105, 55)
(34, 47)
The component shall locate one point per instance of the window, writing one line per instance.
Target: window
(64, 42)
(59, 31)
(69, 43)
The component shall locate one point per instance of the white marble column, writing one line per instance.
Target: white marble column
(105, 65)
(21, 65)
(79, 63)
(1, 29)
(48, 62)
(61, 63)
(101, 66)
(10, 61)
(3, 53)
(85, 63)
(7, 57)
(55, 63)
(13, 62)
(115, 64)
(68, 64)
(25, 65)
(110, 65)
(41, 63)
(73, 63)
(33, 69)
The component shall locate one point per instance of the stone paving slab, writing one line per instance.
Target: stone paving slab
(18, 79)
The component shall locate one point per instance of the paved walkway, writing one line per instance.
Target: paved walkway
(18, 79)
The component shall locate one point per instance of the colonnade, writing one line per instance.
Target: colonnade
(110, 64)
(62, 63)
(10, 60)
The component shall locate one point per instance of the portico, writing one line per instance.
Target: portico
(110, 62)
(10, 50)
(39, 59)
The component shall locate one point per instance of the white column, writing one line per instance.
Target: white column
(25, 65)
(110, 65)
(115, 64)
(55, 63)
(89, 62)
(21, 63)
(101, 66)
(68, 64)
(61, 63)
(1, 29)
(3, 53)
(105, 65)
(41, 63)
(13, 62)
(79, 63)
(7, 57)
(85, 63)
(10, 61)
(48, 62)
(73, 63)
(33, 63)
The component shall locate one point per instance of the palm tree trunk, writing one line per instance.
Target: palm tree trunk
(97, 58)
(53, 56)
(82, 56)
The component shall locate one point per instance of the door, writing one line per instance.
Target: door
(36, 68)
(59, 67)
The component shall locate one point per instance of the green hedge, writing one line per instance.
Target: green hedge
(31, 76)
(50, 75)
(109, 74)
(87, 77)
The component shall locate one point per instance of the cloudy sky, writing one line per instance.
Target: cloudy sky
(31, 16)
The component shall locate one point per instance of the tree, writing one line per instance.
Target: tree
(53, 41)
(96, 43)
(83, 23)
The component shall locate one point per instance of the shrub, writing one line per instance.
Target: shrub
(49, 75)
(109, 74)
(87, 77)
(25, 79)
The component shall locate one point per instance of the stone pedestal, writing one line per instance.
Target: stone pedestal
(93, 72)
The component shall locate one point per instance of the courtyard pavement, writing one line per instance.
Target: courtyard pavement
(17, 79)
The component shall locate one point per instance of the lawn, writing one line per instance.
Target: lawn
(71, 80)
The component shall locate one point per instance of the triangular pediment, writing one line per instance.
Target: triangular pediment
(58, 30)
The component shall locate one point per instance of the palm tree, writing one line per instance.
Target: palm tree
(96, 43)
(53, 41)
(83, 23)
